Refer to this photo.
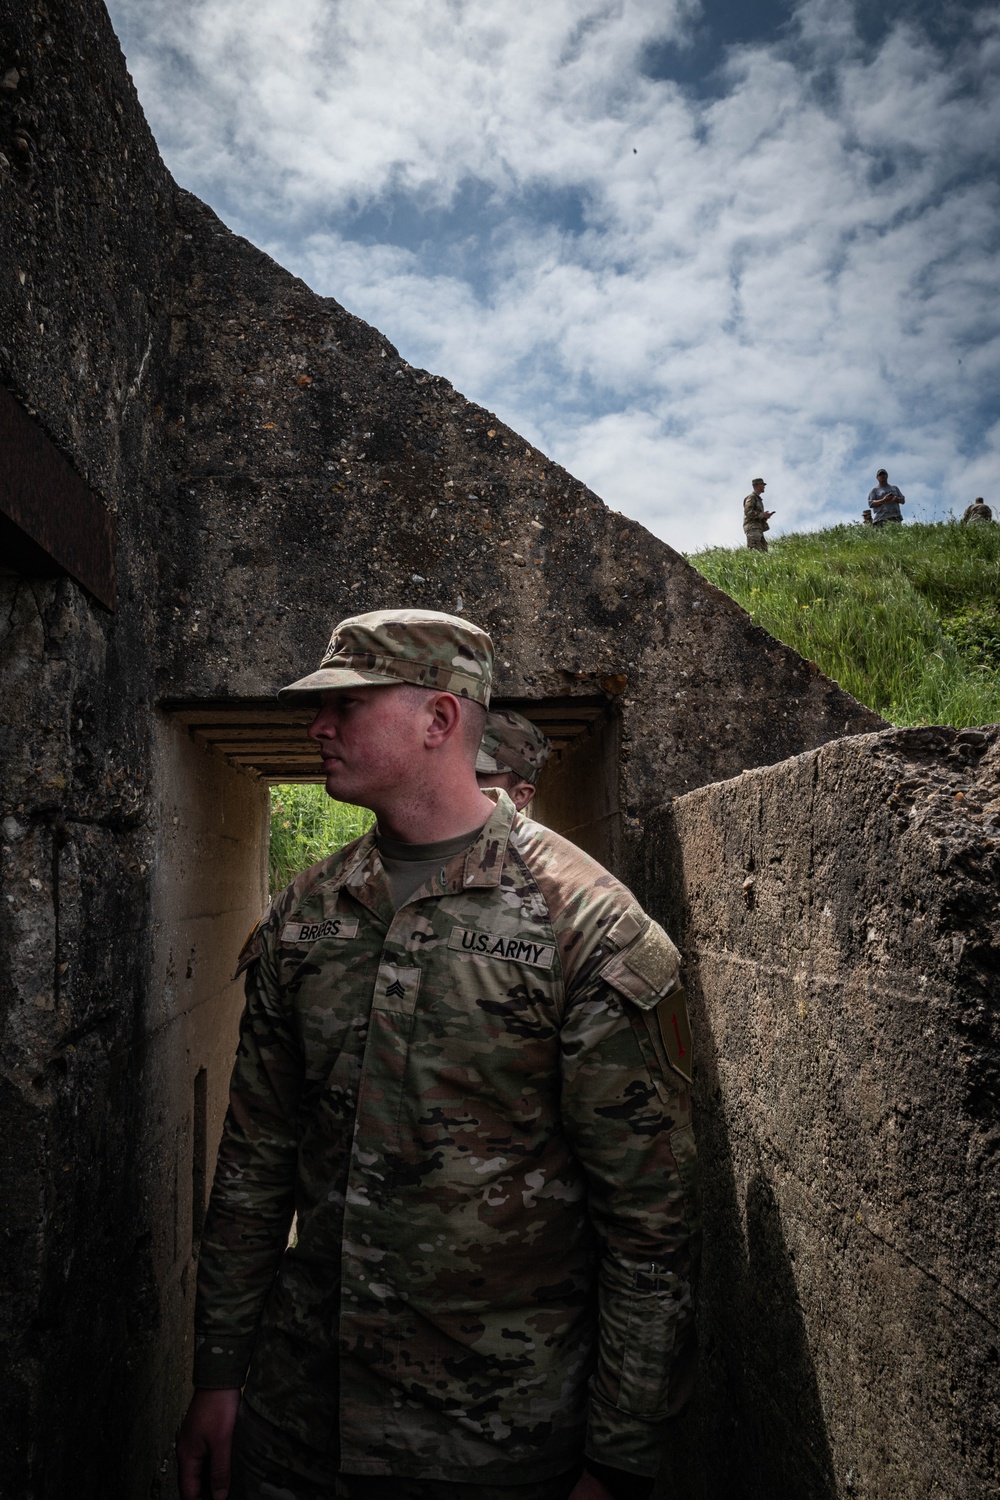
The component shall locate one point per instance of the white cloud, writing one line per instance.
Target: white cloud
(782, 278)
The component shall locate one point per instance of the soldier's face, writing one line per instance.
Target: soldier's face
(369, 738)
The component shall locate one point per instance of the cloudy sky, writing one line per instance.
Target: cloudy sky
(677, 243)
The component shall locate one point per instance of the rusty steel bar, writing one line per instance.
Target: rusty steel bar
(51, 505)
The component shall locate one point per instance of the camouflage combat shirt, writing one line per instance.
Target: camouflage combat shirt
(476, 1107)
(753, 513)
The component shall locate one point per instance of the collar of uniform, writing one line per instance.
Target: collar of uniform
(478, 867)
(366, 880)
(481, 865)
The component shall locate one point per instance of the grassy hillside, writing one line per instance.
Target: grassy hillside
(906, 618)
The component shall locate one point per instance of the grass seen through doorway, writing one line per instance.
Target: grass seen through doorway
(306, 826)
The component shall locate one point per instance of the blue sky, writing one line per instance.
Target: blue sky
(676, 244)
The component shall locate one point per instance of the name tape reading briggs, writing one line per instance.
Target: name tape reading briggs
(312, 932)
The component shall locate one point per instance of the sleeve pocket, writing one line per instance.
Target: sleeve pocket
(639, 1307)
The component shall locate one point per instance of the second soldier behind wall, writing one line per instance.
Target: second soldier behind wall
(755, 517)
(512, 755)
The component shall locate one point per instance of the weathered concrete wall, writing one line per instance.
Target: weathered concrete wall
(840, 917)
(209, 886)
(83, 270)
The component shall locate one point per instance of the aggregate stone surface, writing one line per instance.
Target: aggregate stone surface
(840, 919)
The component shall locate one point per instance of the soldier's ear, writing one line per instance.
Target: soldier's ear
(445, 719)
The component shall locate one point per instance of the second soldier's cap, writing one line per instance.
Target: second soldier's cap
(758, 480)
(512, 743)
(389, 646)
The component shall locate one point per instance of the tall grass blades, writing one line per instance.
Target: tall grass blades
(906, 618)
(306, 826)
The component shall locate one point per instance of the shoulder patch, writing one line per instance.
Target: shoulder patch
(675, 1031)
(647, 970)
(251, 949)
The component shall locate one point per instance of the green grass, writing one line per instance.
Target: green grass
(307, 825)
(906, 618)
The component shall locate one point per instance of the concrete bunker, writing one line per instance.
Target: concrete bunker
(163, 357)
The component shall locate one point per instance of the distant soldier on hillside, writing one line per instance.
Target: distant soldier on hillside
(884, 500)
(755, 517)
(977, 514)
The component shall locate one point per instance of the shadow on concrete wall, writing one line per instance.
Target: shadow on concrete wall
(754, 1429)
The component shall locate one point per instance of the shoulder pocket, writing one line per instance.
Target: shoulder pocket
(647, 970)
(648, 974)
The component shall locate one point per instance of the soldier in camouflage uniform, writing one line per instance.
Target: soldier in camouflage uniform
(755, 517)
(511, 755)
(977, 514)
(464, 1068)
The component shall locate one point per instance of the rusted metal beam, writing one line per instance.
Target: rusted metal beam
(52, 514)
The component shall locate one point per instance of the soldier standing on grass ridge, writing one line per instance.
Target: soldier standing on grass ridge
(884, 500)
(511, 755)
(464, 1066)
(977, 514)
(755, 517)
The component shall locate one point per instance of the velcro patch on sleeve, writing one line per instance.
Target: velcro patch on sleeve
(493, 945)
(298, 932)
(648, 970)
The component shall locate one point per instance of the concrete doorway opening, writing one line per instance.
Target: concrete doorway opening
(578, 790)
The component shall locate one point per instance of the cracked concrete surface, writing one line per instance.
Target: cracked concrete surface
(848, 1066)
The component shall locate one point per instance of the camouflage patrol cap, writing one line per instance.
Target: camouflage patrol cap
(758, 480)
(418, 646)
(512, 743)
